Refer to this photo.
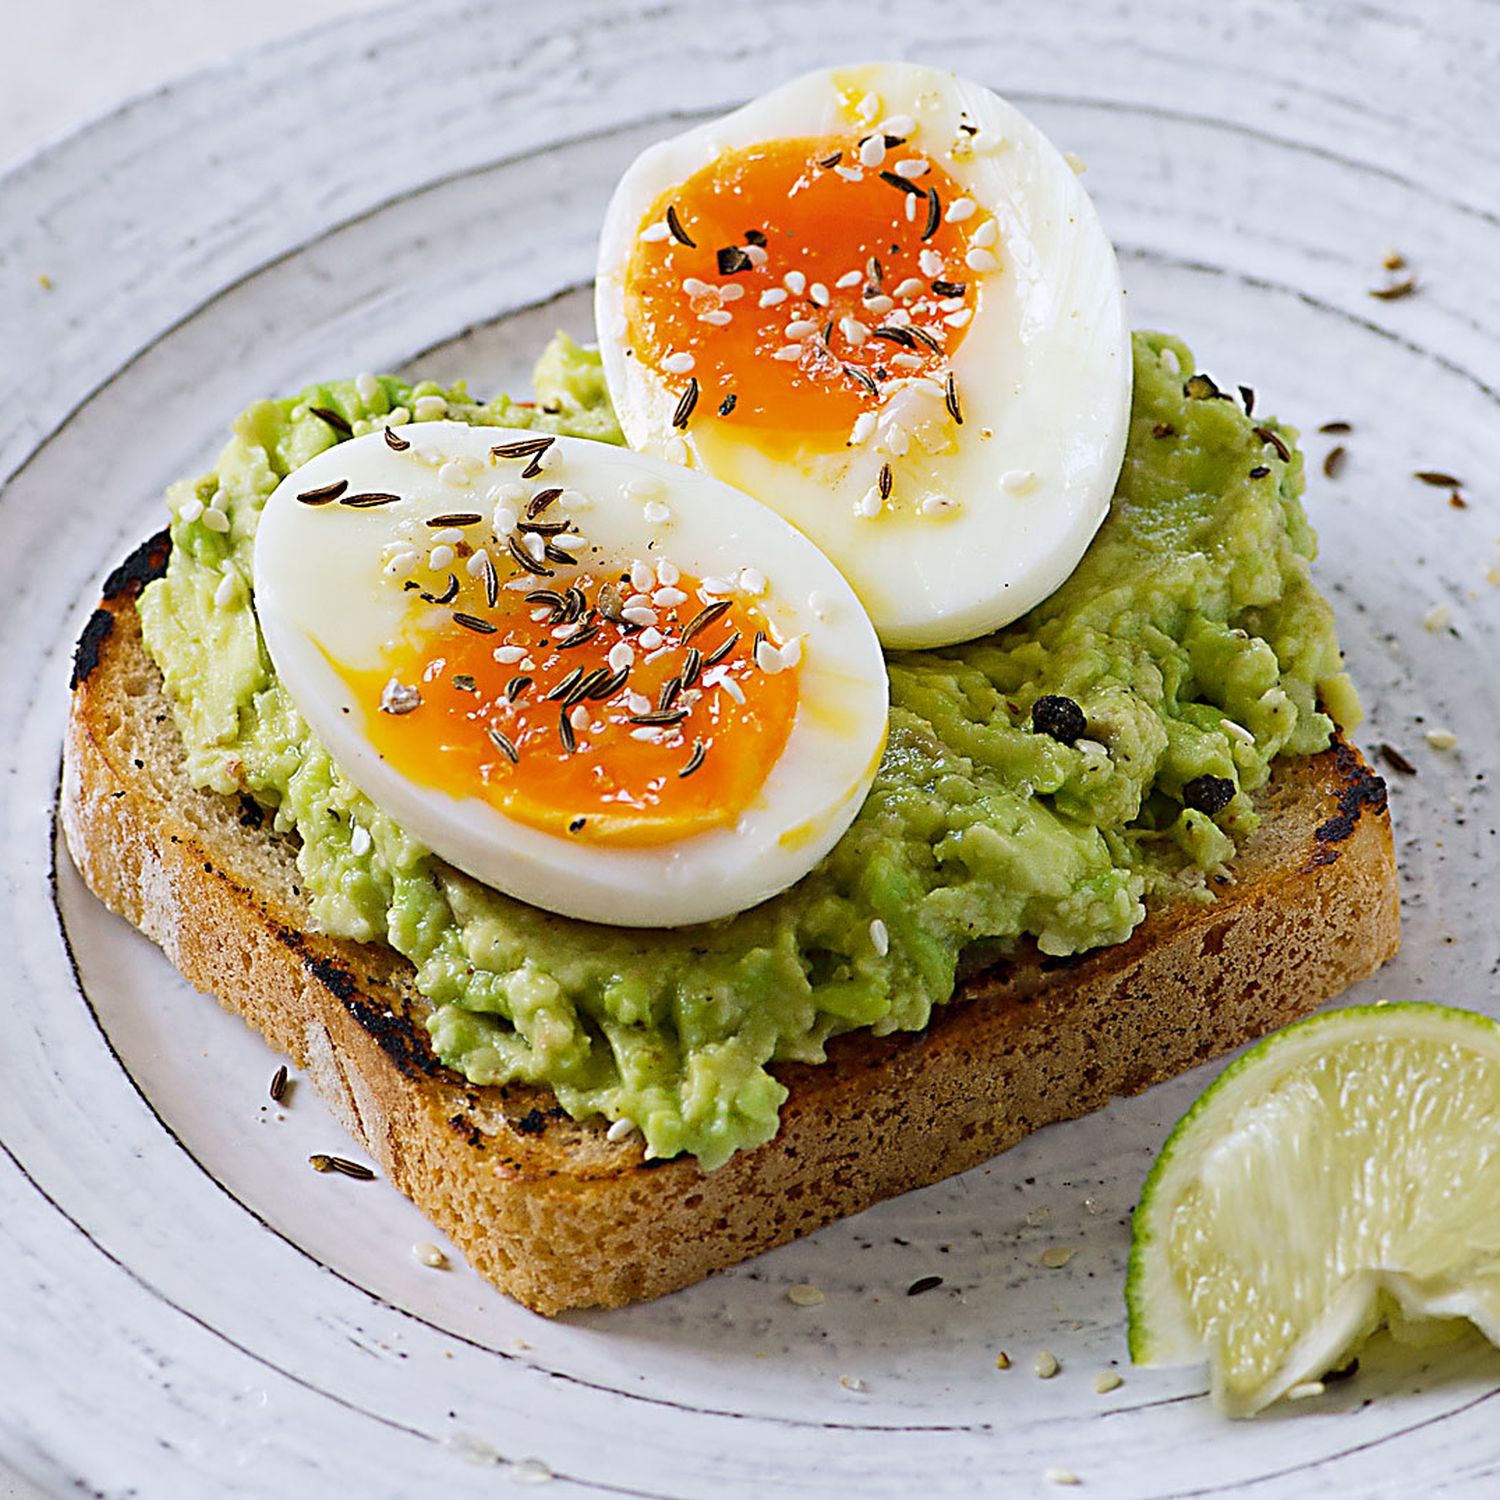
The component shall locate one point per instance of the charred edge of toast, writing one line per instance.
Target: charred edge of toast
(407, 1045)
(396, 1034)
(1360, 789)
(146, 563)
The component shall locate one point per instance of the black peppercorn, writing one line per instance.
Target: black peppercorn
(1208, 794)
(1059, 717)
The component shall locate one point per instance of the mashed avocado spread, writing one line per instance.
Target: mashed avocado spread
(1190, 634)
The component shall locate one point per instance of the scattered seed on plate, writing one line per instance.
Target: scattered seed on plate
(278, 1085)
(1045, 1365)
(1396, 760)
(804, 1295)
(321, 1162)
(1333, 461)
(923, 1284)
(429, 1255)
(1056, 1257)
(1108, 1380)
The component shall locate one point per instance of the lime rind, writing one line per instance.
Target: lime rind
(1450, 1270)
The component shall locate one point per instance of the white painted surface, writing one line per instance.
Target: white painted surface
(71, 60)
(184, 1309)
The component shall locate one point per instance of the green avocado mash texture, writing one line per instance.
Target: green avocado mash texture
(1190, 633)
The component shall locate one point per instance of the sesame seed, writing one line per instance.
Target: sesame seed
(475, 565)
(403, 564)
(906, 361)
(655, 513)
(694, 287)
(667, 571)
(620, 657)
(651, 638)
(864, 425)
(819, 293)
(1056, 1257)
(1045, 1364)
(896, 441)
(772, 295)
(191, 509)
(880, 937)
(668, 598)
(730, 292)
(913, 286)
(804, 1295)
(1305, 1389)
(768, 658)
(788, 352)
(898, 125)
(931, 264)
(960, 209)
(867, 109)
(1106, 1381)
(441, 558)
(853, 330)
(731, 687)
(215, 520)
(800, 328)
(429, 1255)
(429, 408)
(911, 167)
(717, 318)
(959, 318)
(872, 150)
(639, 614)
(638, 703)
(911, 207)
(879, 304)
(654, 233)
(939, 505)
(448, 535)
(650, 733)
(820, 605)
(456, 473)
(621, 1130)
(795, 282)
(1237, 731)
(981, 260)
(852, 1383)
(679, 363)
(359, 841)
(1442, 739)
(986, 235)
(1056, 1475)
(756, 254)
(509, 491)
(579, 718)
(228, 588)
(751, 581)
(366, 386)
(1017, 481)
(869, 505)
(509, 655)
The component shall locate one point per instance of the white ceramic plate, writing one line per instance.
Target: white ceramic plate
(186, 1310)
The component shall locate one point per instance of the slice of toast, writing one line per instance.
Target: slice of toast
(553, 1212)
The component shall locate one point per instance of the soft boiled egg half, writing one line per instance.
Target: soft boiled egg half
(605, 685)
(879, 300)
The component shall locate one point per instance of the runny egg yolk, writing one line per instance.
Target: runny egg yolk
(811, 283)
(538, 717)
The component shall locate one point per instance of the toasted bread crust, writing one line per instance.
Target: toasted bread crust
(550, 1210)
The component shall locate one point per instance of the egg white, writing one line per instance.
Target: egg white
(321, 597)
(1044, 371)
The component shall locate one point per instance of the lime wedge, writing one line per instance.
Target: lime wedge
(1342, 1176)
